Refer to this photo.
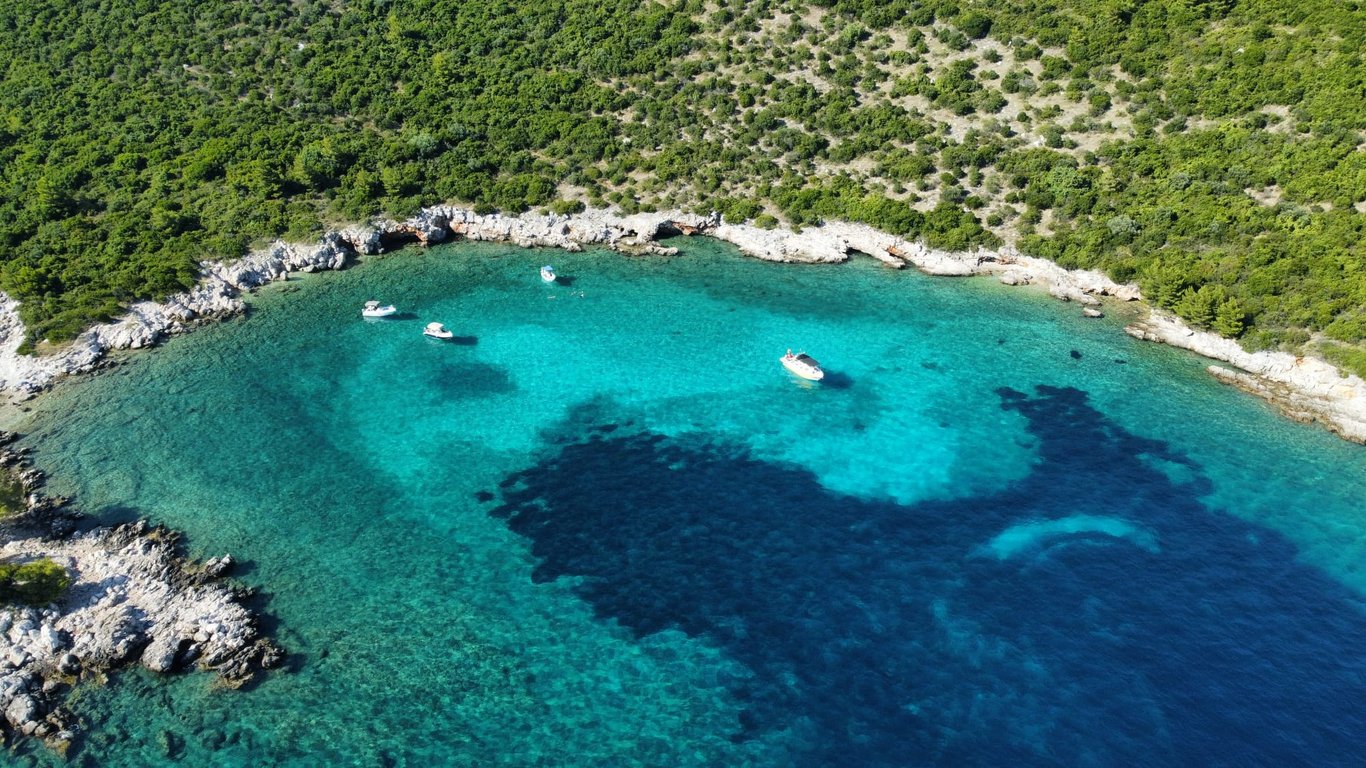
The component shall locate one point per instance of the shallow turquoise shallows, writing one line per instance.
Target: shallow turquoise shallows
(602, 526)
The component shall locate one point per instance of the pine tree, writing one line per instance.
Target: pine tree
(1195, 307)
(1230, 319)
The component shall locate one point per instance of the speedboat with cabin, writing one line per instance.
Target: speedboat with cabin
(437, 331)
(548, 273)
(803, 365)
(375, 309)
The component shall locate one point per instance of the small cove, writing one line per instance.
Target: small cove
(526, 546)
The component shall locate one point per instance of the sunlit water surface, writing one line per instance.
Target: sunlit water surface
(602, 526)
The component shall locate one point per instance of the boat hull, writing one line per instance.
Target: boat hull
(797, 368)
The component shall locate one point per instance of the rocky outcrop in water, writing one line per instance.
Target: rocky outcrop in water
(222, 285)
(1302, 388)
(133, 599)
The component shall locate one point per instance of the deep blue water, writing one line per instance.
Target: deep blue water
(897, 640)
(604, 527)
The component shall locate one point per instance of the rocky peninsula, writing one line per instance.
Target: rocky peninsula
(1304, 388)
(133, 598)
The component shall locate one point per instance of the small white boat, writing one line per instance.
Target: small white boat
(375, 309)
(437, 331)
(803, 365)
(548, 273)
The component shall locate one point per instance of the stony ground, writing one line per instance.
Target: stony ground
(133, 598)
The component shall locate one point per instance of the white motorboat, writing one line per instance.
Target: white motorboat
(548, 273)
(375, 309)
(437, 331)
(803, 365)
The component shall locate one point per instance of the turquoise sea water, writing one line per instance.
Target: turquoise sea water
(602, 526)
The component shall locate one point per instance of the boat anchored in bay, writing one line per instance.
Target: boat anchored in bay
(803, 365)
(548, 273)
(437, 331)
(375, 309)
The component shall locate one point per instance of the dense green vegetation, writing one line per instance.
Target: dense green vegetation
(34, 583)
(1209, 149)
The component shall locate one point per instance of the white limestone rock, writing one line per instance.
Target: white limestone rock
(131, 598)
(13, 684)
(159, 655)
(52, 640)
(22, 711)
(1066, 291)
(1099, 284)
(1304, 388)
(364, 240)
(218, 567)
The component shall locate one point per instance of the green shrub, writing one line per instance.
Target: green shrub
(34, 583)
(1348, 358)
(974, 24)
(738, 211)
(564, 207)
(11, 496)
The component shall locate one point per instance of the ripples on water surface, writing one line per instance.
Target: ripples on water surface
(604, 527)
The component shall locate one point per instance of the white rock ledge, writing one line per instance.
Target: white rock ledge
(1303, 388)
(132, 599)
(1310, 389)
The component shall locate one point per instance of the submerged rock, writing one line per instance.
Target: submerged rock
(172, 745)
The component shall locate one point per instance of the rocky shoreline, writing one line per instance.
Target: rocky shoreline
(1305, 388)
(133, 598)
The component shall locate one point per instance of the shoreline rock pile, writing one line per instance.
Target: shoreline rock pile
(133, 598)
